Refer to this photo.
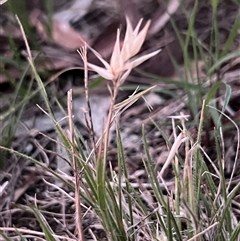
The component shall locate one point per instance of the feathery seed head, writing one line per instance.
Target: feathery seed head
(122, 61)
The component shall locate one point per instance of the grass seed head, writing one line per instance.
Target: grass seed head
(122, 61)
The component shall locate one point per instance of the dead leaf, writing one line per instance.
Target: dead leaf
(105, 42)
(62, 33)
(160, 20)
(57, 58)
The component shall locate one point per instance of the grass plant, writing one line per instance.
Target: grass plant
(198, 208)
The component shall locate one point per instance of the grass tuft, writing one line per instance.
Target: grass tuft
(108, 201)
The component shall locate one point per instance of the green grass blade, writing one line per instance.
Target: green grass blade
(44, 225)
(226, 208)
(123, 167)
(235, 234)
(233, 34)
(6, 238)
(224, 59)
(169, 223)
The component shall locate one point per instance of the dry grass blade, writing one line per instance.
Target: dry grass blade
(160, 22)
(179, 140)
(35, 233)
(3, 1)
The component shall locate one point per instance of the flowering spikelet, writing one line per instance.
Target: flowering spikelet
(122, 61)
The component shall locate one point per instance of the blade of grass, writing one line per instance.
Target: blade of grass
(123, 167)
(6, 238)
(222, 179)
(222, 60)
(235, 234)
(169, 222)
(11, 151)
(231, 37)
(44, 225)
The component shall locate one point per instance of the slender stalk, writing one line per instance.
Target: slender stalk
(109, 122)
(101, 166)
(75, 169)
(89, 120)
(177, 181)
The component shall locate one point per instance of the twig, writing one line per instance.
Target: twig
(109, 122)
